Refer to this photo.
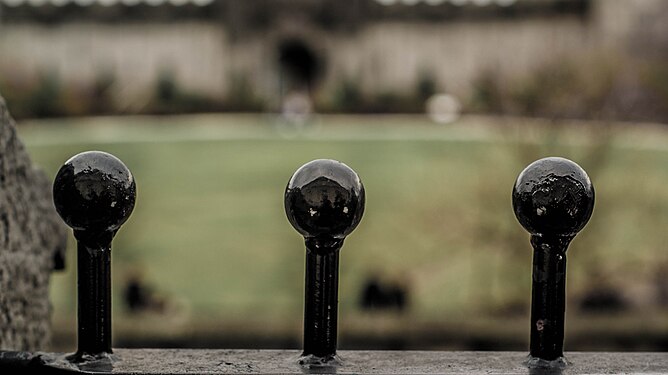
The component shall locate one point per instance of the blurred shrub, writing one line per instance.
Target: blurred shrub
(165, 89)
(349, 98)
(170, 98)
(426, 86)
(388, 102)
(487, 93)
(40, 96)
(601, 87)
(101, 93)
(47, 96)
(93, 99)
(241, 97)
(565, 89)
(655, 78)
(589, 87)
(46, 99)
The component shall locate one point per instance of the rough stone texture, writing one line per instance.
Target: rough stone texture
(31, 235)
(195, 361)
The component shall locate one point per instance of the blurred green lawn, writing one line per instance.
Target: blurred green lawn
(209, 229)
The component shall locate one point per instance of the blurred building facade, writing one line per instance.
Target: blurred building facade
(251, 53)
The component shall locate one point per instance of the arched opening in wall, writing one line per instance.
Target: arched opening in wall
(299, 70)
(300, 67)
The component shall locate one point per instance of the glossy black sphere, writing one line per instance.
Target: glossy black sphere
(94, 191)
(553, 196)
(324, 198)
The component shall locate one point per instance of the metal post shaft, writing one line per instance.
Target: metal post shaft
(94, 294)
(548, 296)
(321, 301)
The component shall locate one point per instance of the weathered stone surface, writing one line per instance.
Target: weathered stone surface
(204, 361)
(31, 234)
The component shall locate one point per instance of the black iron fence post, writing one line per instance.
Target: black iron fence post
(94, 193)
(553, 199)
(324, 201)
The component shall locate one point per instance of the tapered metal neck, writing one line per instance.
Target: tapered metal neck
(548, 296)
(321, 298)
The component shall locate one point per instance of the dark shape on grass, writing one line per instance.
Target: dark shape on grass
(139, 296)
(324, 202)
(553, 199)
(382, 296)
(136, 295)
(94, 193)
(603, 300)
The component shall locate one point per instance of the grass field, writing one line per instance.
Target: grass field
(209, 230)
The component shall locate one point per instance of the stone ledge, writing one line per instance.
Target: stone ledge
(204, 361)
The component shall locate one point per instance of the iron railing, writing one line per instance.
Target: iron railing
(553, 198)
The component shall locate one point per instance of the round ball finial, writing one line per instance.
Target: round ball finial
(94, 191)
(324, 198)
(553, 196)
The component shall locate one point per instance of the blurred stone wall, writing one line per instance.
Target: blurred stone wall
(32, 242)
(380, 55)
